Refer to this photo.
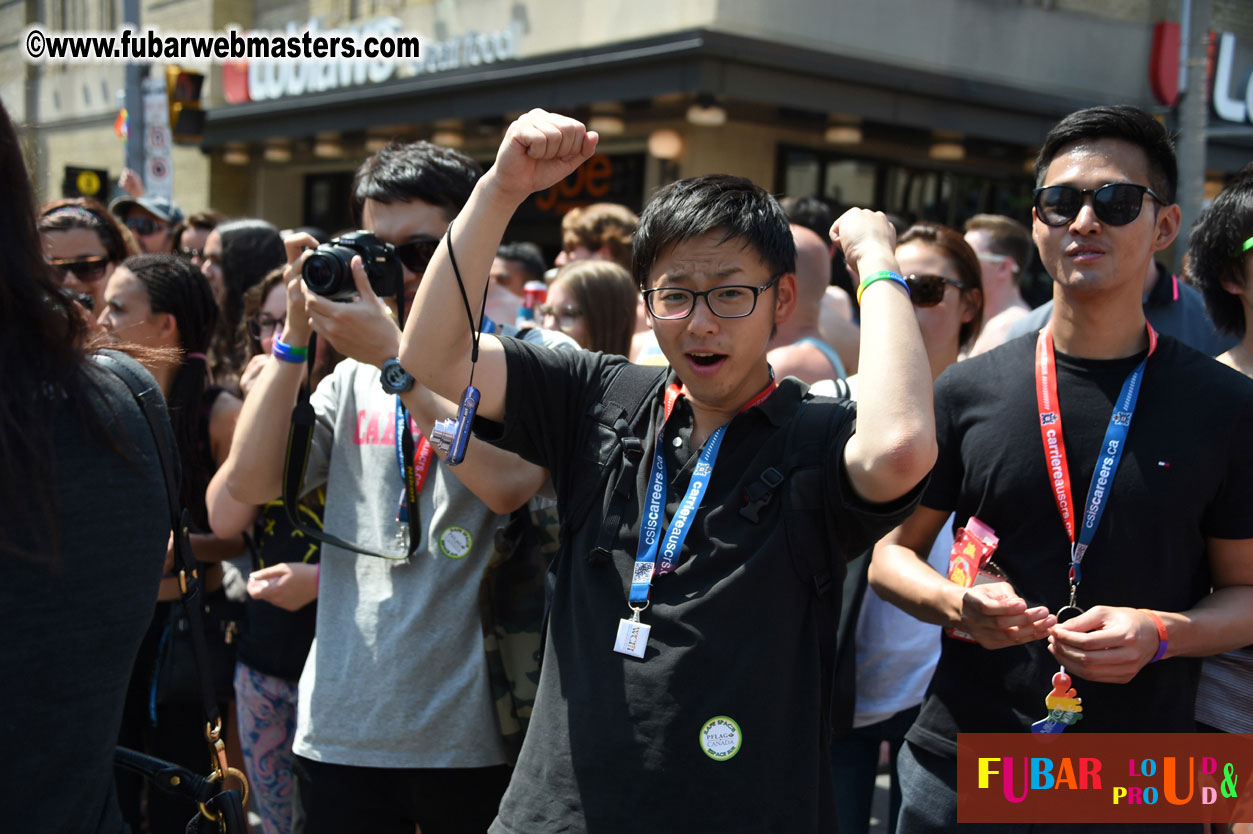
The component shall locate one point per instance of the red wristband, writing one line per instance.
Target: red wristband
(1162, 643)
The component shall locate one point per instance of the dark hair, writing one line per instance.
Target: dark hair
(176, 287)
(205, 221)
(86, 213)
(1130, 124)
(605, 293)
(250, 249)
(403, 172)
(1214, 251)
(601, 226)
(734, 206)
(41, 350)
(527, 255)
(964, 260)
(809, 212)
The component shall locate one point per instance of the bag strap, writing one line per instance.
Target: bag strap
(300, 441)
(150, 401)
(629, 392)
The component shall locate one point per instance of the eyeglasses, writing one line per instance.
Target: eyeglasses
(416, 254)
(190, 254)
(263, 325)
(144, 226)
(928, 290)
(566, 315)
(1117, 203)
(733, 301)
(87, 270)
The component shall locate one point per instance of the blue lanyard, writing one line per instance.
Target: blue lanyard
(1112, 447)
(412, 475)
(651, 540)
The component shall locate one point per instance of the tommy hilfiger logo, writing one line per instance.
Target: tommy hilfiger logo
(1048, 418)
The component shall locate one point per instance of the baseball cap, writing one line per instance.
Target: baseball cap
(161, 207)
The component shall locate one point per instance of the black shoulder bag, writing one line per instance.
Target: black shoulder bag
(221, 809)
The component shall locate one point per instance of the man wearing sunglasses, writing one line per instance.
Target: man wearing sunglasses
(397, 723)
(154, 221)
(684, 668)
(1114, 463)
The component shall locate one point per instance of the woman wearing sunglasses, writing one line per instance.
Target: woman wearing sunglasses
(162, 302)
(83, 242)
(592, 302)
(895, 653)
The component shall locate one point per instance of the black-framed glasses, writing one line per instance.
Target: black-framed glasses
(928, 290)
(731, 301)
(263, 325)
(416, 254)
(87, 269)
(144, 225)
(566, 315)
(1116, 203)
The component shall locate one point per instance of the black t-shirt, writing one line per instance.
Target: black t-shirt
(274, 641)
(614, 742)
(1186, 474)
(73, 625)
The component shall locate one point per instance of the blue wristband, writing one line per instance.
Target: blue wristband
(287, 353)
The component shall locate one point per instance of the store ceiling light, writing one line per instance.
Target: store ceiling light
(448, 137)
(665, 143)
(947, 151)
(606, 124)
(278, 152)
(374, 143)
(327, 146)
(706, 112)
(843, 134)
(236, 155)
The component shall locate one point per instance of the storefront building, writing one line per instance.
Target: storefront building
(928, 110)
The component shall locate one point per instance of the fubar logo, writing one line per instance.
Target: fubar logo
(721, 738)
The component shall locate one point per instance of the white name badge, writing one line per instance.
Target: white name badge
(632, 638)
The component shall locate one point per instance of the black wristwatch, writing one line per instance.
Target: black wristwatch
(395, 379)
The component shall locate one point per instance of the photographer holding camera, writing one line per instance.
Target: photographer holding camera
(396, 720)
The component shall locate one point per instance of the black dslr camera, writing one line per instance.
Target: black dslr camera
(328, 271)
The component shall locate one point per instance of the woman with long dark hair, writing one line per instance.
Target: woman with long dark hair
(85, 527)
(162, 302)
(237, 255)
(84, 243)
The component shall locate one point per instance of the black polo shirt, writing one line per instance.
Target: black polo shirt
(615, 743)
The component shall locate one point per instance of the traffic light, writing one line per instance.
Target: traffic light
(183, 92)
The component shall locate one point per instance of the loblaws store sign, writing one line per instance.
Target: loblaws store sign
(1229, 72)
(262, 80)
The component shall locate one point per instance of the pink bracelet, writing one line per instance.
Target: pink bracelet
(317, 576)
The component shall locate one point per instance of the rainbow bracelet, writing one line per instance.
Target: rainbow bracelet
(289, 353)
(1162, 642)
(881, 275)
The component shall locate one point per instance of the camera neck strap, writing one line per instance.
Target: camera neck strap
(476, 331)
(300, 439)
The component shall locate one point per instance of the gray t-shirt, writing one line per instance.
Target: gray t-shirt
(397, 675)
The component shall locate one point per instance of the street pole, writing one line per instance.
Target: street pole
(1190, 150)
(135, 74)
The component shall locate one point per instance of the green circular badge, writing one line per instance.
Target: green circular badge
(721, 738)
(455, 542)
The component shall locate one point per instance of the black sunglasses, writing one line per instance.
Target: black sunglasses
(87, 269)
(416, 254)
(145, 225)
(1117, 203)
(928, 290)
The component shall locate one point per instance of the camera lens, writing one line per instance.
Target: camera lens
(323, 274)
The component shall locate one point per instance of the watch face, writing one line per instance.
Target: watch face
(395, 378)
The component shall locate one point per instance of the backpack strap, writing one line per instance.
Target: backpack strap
(629, 393)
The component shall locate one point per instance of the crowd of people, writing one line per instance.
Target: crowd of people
(654, 535)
